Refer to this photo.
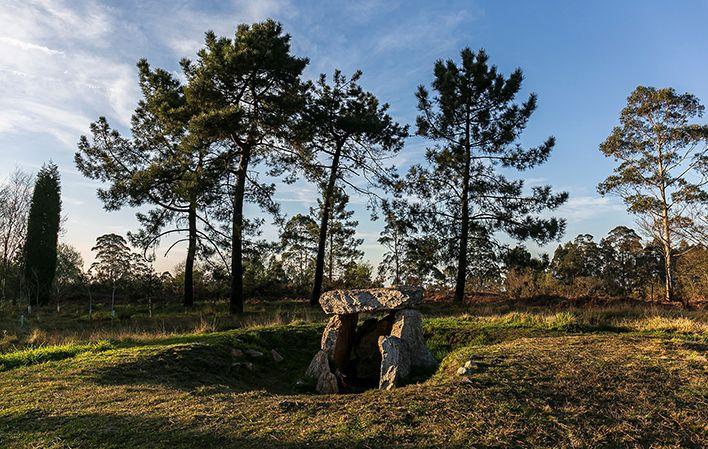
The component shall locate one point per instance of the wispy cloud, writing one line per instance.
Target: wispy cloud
(55, 71)
(582, 208)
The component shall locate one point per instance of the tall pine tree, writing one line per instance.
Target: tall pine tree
(248, 91)
(475, 125)
(349, 134)
(43, 235)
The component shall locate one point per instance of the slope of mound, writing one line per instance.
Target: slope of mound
(531, 386)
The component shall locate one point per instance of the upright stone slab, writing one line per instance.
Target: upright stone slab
(318, 365)
(408, 326)
(341, 302)
(319, 370)
(338, 339)
(394, 362)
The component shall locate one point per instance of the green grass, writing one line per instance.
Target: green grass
(545, 377)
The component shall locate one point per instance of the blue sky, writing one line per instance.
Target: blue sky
(64, 63)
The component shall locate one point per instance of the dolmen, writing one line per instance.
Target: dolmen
(381, 351)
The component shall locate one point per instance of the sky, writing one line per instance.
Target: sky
(65, 63)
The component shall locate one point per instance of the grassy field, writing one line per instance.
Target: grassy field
(615, 376)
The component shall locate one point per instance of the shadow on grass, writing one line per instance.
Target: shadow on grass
(93, 430)
(221, 363)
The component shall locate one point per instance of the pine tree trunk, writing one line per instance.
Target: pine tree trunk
(324, 221)
(462, 257)
(330, 258)
(188, 299)
(465, 225)
(236, 299)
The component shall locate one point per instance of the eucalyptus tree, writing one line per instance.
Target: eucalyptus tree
(350, 137)
(43, 222)
(112, 264)
(622, 252)
(662, 169)
(248, 92)
(474, 124)
(162, 164)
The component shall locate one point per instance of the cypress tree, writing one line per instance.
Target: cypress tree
(42, 235)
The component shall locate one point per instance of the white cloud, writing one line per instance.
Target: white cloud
(56, 74)
(183, 29)
(582, 208)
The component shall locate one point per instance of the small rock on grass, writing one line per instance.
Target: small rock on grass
(468, 368)
(470, 364)
(247, 365)
(236, 352)
(276, 356)
(253, 353)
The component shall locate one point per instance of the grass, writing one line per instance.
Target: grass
(620, 376)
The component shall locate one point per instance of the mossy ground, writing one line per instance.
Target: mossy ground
(610, 377)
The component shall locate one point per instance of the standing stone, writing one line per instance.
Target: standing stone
(343, 302)
(319, 370)
(394, 362)
(408, 326)
(327, 384)
(338, 339)
(318, 365)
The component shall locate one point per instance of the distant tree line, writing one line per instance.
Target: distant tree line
(620, 265)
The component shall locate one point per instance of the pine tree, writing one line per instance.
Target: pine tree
(298, 242)
(162, 165)
(248, 92)
(397, 230)
(663, 164)
(475, 125)
(342, 245)
(40, 252)
(348, 134)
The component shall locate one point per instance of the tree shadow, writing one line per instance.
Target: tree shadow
(96, 430)
(218, 366)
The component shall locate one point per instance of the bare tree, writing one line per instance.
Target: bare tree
(15, 198)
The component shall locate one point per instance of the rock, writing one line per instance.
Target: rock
(408, 326)
(236, 352)
(368, 365)
(276, 356)
(338, 339)
(253, 353)
(394, 362)
(247, 365)
(343, 302)
(318, 366)
(327, 384)
(468, 368)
